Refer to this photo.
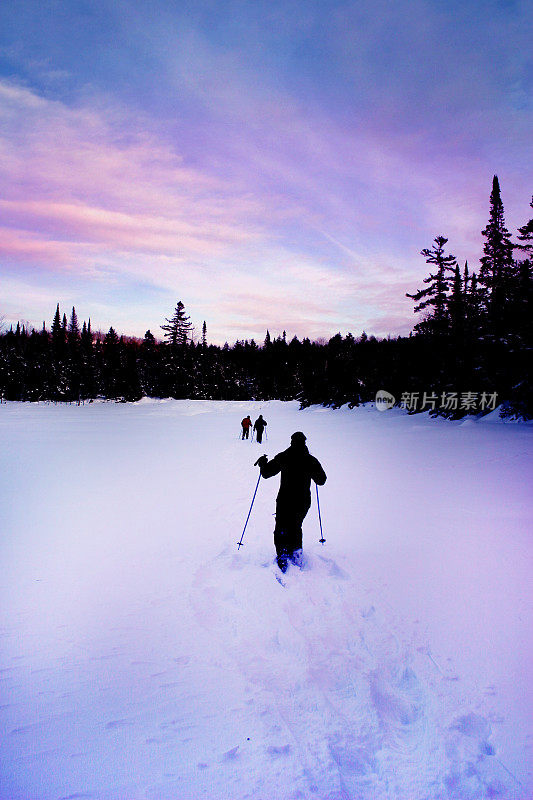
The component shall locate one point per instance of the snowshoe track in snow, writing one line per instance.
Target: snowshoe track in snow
(353, 712)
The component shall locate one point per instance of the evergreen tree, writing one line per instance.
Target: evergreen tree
(466, 278)
(130, 385)
(58, 379)
(456, 305)
(88, 379)
(149, 340)
(521, 306)
(73, 366)
(204, 335)
(111, 364)
(473, 307)
(178, 327)
(525, 235)
(435, 297)
(57, 331)
(111, 340)
(495, 275)
(149, 366)
(73, 327)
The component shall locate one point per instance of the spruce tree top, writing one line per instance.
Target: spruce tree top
(498, 248)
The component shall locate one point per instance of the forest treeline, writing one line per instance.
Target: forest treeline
(470, 351)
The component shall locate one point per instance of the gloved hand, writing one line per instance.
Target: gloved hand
(261, 462)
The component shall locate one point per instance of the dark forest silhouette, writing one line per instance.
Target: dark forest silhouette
(474, 340)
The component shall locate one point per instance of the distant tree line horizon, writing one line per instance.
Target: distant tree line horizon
(474, 338)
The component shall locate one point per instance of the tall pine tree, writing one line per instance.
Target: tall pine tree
(73, 327)
(496, 273)
(57, 330)
(178, 327)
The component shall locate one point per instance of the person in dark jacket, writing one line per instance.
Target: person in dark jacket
(259, 426)
(297, 467)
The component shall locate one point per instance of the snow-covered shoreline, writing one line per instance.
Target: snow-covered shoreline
(494, 416)
(143, 657)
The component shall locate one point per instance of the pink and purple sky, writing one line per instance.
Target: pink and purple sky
(271, 164)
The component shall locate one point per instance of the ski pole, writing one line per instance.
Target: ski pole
(321, 540)
(239, 544)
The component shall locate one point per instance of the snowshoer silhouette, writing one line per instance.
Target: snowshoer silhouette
(259, 426)
(246, 425)
(297, 467)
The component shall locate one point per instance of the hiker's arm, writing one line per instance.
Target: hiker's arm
(269, 468)
(318, 474)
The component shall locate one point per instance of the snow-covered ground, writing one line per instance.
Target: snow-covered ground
(143, 658)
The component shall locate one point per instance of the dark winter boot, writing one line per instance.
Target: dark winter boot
(283, 562)
(297, 558)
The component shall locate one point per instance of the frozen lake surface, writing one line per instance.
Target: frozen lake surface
(143, 658)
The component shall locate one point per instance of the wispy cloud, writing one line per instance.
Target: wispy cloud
(287, 164)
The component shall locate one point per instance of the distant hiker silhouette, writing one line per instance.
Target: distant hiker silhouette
(259, 426)
(246, 425)
(297, 467)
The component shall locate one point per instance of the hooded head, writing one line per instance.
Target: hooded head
(298, 439)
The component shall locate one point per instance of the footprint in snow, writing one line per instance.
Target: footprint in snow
(473, 771)
(182, 660)
(78, 796)
(276, 752)
(118, 723)
(231, 755)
